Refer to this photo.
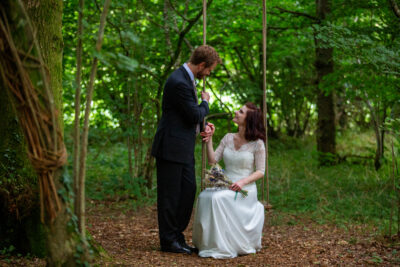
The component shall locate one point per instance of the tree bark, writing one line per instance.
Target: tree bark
(46, 18)
(129, 122)
(79, 50)
(85, 133)
(395, 8)
(20, 226)
(148, 168)
(379, 134)
(138, 148)
(326, 129)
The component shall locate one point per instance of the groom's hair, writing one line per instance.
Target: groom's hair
(254, 123)
(205, 53)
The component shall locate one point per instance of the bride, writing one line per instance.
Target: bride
(226, 225)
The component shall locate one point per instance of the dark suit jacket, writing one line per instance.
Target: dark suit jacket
(176, 132)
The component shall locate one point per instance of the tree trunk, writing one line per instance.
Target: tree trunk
(130, 165)
(379, 134)
(380, 139)
(19, 202)
(78, 80)
(85, 133)
(326, 130)
(138, 109)
(383, 130)
(46, 16)
(149, 164)
(378, 155)
(341, 114)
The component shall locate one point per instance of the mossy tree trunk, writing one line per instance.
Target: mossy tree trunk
(19, 195)
(60, 236)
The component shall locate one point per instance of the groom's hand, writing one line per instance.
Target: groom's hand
(205, 96)
(208, 132)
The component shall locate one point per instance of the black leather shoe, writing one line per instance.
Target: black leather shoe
(176, 247)
(192, 249)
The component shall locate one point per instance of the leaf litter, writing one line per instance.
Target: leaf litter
(130, 238)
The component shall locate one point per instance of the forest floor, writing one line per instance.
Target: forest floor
(130, 238)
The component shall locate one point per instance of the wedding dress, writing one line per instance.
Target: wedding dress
(225, 227)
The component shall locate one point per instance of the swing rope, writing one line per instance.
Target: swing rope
(203, 144)
(266, 175)
(265, 107)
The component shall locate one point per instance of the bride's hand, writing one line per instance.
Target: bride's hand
(208, 132)
(237, 186)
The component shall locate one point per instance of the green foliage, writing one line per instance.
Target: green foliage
(393, 126)
(108, 177)
(344, 194)
(141, 49)
(143, 45)
(7, 251)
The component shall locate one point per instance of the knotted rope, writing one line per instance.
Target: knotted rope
(27, 80)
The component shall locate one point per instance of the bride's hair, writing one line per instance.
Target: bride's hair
(254, 123)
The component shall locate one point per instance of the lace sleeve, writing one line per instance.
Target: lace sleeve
(220, 149)
(259, 156)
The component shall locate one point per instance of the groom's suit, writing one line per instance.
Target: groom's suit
(173, 148)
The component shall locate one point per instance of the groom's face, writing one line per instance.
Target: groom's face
(203, 71)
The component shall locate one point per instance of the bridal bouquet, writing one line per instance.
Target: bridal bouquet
(215, 177)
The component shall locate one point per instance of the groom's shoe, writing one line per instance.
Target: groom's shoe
(192, 249)
(176, 247)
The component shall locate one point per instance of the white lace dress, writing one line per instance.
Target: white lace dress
(224, 227)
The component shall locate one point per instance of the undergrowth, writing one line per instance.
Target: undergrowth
(344, 194)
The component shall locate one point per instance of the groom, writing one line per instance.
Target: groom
(173, 147)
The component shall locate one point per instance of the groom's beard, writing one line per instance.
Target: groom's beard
(200, 75)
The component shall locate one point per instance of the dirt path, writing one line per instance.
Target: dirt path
(131, 239)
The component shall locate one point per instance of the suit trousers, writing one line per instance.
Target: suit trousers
(176, 190)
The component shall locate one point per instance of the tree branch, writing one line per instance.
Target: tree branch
(297, 14)
(177, 52)
(218, 98)
(395, 8)
(115, 27)
(188, 44)
(177, 12)
(166, 28)
(246, 67)
(232, 77)
(147, 16)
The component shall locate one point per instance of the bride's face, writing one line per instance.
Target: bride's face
(240, 116)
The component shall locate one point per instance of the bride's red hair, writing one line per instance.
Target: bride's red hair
(254, 123)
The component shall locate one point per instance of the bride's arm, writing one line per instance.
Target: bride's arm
(207, 137)
(213, 156)
(247, 180)
(210, 152)
(259, 157)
